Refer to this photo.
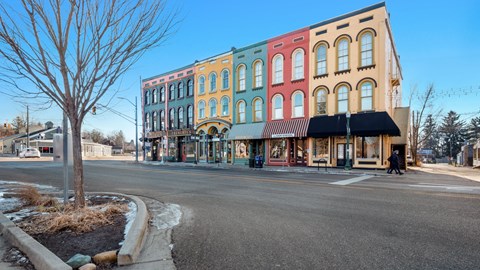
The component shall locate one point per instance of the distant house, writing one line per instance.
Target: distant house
(476, 154)
(7, 144)
(117, 150)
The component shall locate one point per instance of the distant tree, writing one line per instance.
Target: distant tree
(73, 52)
(96, 136)
(430, 136)
(18, 123)
(473, 130)
(118, 138)
(452, 129)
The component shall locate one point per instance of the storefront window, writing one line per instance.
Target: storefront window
(320, 148)
(277, 149)
(241, 149)
(368, 147)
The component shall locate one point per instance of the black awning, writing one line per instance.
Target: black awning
(361, 124)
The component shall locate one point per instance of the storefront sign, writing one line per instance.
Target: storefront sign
(285, 135)
(215, 139)
(182, 132)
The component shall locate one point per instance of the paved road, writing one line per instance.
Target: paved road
(242, 219)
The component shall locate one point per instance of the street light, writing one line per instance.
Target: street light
(347, 163)
(136, 126)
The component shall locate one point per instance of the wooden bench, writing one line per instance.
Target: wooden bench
(320, 161)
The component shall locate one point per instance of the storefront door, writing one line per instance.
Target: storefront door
(301, 152)
(342, 154)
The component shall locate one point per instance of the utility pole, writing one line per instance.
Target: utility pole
(136, 131)
(28, 130)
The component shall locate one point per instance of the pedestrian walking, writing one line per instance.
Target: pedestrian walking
(394, 163)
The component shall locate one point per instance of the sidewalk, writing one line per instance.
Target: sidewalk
(444, 168)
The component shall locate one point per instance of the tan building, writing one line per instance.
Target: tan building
(355, 74)
(213, 101)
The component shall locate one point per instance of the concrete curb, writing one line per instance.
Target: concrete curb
(44, 259)
(135, 237)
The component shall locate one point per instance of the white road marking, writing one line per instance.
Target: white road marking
(448, 187)
(353, 180)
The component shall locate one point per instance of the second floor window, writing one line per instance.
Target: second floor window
(241, 112)
(257, 110)
(342, 99)
(189, 116)
(298, 104)
(171, 119)
(224, 103)
(180, 118)
(201, 109)
(278, 107)
(147, 94)
(321, 102)
(162, 94)
(190, 88)
(213, 107)
(366, 96)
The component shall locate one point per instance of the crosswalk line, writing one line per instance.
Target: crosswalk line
(352, 180)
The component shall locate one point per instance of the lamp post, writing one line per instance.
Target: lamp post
(136, 126)
(347, 162)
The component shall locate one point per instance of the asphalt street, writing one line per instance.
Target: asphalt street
(246, 219)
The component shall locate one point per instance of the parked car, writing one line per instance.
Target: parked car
(409, 160)
(29, 153)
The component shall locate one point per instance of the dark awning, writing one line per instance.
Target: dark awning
(361, 124)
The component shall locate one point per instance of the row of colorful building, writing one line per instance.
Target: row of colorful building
(287, 99)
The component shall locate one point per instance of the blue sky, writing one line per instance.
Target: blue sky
(438, 42)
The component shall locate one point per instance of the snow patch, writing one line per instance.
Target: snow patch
(168, 218)
(130, 216)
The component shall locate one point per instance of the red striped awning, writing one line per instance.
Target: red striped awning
(284, 129)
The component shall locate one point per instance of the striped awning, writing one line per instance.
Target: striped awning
(284, 129)
(246, 131)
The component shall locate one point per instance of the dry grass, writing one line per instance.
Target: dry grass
(54, 217)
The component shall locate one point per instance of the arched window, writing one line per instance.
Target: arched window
(225, 79)
(257, 74)
(321, 59)
(201, 109)
(162, 94)
(277, 107)
(147, 94)
(147, 122)
(297, 67)
(171, 119)
(180, 90)
(213, 82)
(257, 110)
(321, 101)
(162, 120)
(297, 107)
(154, 121)
(278, 69)
(212, 104)
(241, 117)
(201, 85)
(180, 118)
(224, 102)
(366, 93)
(171, 92)
(366, 49)
(241, 78)
(342, 55)
(342, 99)
(189, 116)
(154, 96)
(190, 88)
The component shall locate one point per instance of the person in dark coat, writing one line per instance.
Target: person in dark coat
(394, 163)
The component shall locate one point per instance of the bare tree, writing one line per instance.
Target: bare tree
(418, 133)
(72, 52)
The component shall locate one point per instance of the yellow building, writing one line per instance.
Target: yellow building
(355, 73)
(213, 101)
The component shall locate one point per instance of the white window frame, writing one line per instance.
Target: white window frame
(277, 70)
(298, 65)
(321, 60)
(242, 74)
(277, 113)
(257, 74)
(298, 110)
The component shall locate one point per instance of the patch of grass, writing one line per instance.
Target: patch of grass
(31, 197)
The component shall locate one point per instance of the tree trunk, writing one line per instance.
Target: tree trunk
(77, 163)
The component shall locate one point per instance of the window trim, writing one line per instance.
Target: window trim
(201, 84)
(254, 109)
(180, 91)
(182, 115)
(372, 48)
(239, 78)
(348, 96)
(301, 52)
(228, 105)
(210, 108)
(244, 111)
(294, 94)
(317, 48)
(223, 79)
(146, 97)
(274, 69)
(344, 38)
(281, 107)
(190, 91)
(254, 71)
(360, 97)
(201, 105)
(315, 100)
(170, 89)
(212, 82)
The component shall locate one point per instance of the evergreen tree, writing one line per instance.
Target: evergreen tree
(430, 136)
(452, 130)
(473, 130)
